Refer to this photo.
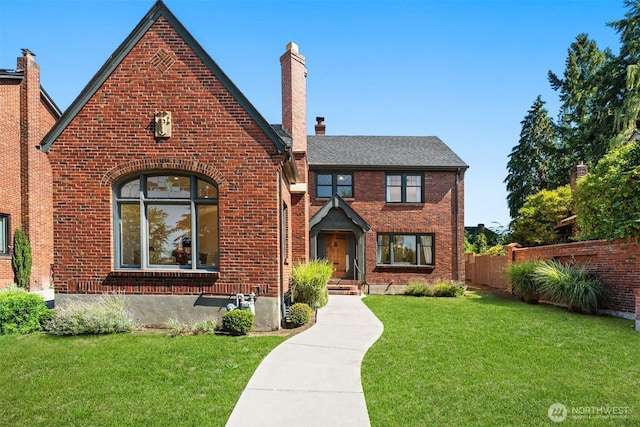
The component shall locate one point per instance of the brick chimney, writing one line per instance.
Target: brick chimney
(294, 96)
(578, 170)
(320, 127)
(36, 191)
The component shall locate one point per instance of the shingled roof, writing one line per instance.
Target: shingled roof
(382, 152)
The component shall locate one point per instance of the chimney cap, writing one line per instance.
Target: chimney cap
(292, 47)
(27, 52)
(320, 120)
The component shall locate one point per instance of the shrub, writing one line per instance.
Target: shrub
(204, 327)
(299, 314)
(571, 285)
(523, 283)
(418, 289)
(497, 250)
(107, 315)
(448, 289)
(309, 283)
(607, 201)
(238, 322)
(21, 259)
(21, 312)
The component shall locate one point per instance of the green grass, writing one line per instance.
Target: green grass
(125, 380)
(483, 361)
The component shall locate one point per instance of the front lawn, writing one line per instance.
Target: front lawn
(125, 380)
(483, 361)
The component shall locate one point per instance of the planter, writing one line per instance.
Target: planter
(48, 295)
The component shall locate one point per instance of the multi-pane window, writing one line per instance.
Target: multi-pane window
(405, 249)
(4, 234)
(334, 183)
(404, 188)
(167, 221)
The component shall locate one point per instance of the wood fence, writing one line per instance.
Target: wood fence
(616, 263)
(486, 270)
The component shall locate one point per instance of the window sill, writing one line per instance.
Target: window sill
(399, 268)
(404, 204)
(165, 273)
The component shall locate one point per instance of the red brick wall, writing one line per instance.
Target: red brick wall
(435, 215)
(25, 184)
(212, 134)
(37, 214)
(614, 262)
(10, 200)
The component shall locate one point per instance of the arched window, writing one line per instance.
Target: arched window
(166, 221)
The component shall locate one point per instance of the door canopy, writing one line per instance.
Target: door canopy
(336, 214)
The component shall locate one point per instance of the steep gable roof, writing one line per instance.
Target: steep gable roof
(337, 202)
(382, 152)
(157, 10)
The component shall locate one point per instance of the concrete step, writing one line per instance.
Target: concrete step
(343, 287)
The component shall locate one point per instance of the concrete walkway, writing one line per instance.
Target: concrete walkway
(313, 378)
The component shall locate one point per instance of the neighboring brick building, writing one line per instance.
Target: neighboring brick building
(171, 188)
(27, 113)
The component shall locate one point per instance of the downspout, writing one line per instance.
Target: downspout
(456, 226)
(281, 260)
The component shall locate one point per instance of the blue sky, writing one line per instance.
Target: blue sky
(465, 71)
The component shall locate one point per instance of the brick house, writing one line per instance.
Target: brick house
(171, 188)
(386, 210)
(25, 183)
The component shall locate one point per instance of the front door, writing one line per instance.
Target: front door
(337, 254)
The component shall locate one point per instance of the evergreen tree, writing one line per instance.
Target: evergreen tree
(577, 89)
(608, 113)
(21, 259)
(531, 161)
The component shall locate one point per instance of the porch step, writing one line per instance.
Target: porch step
(343, 287)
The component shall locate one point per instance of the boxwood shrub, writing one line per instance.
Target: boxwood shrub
(299, 314)
(238, 322)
